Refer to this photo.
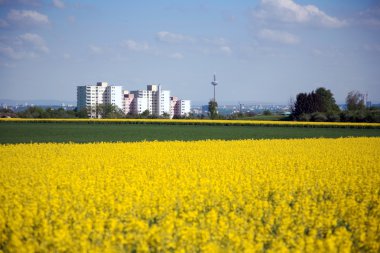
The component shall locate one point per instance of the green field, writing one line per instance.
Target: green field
(13, 132)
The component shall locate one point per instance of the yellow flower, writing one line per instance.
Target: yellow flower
(212, 196)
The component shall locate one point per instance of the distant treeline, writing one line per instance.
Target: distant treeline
(39, 112)
(320, 105)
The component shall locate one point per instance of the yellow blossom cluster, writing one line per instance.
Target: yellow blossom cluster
(203, 196)
(204, 122)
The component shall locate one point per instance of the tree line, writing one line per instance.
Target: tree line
(317, 105)
(320, 105)
(105, 111)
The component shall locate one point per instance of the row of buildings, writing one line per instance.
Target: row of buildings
(157, 101)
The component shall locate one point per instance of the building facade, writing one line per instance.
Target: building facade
(154, 99)
(157, 101)
(90, 96)
(184, 107)
(179, 107)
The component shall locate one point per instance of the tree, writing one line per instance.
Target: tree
(326, 101)
(32, 112)
(300, 106)
(7, 113)
(320, 100)
(355, 101)
(267, 112)
(108, 111)
(165, 115)
(213, 109)
(82, 113)
(145, 113)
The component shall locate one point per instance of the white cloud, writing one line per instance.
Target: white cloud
(15, 54)
(173, 37)
(177, 56)
(225, 49)
(59, 4)
(11, 53)
(278, 36)
(36, 41)
(96, 49)
(135, 46)
(25, 46)
(291, 12)
(28, 17)
(215, 41)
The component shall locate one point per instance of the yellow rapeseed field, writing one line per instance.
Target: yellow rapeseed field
(226, 196)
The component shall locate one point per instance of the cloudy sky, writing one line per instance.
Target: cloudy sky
(260, 50)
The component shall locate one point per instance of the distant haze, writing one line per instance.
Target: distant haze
(263, 51)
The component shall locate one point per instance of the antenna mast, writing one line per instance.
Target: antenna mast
(214, 83)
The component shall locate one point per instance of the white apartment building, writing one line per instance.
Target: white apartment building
(179, 107)
(154, 99)
(128, 102)
(184, 107)
(90, 96)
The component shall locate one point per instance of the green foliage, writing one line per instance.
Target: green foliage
(355, 101)
(7, 113)
(267, 112)
(5, 110)
(213, 109)
(333, 117)
(320, 100)
(145, 113)
(360, 116)
(368, 116)
(32, 112)
(108, 111)
(82, 113)
(165, 115)
(325, 101)
(318, 117)
(39, 112)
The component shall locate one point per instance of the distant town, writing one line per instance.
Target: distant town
(154, 100)
(196, 109)
(102, 100)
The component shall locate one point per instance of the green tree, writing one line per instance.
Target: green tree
(165, 115)
(213, 109)
(355, 101)
(325, 100)
(300, 105)
(108, 111)
(145, 113)
(32, 112)
(267, 112)
(82, 113)
(320, 100)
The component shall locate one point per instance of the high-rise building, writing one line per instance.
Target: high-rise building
(154, 99)
(90, 96)
(184, 107)
(128, 102)
(179, 107)
(157, 101)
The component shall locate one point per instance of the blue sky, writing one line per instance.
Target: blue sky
(261, 51)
